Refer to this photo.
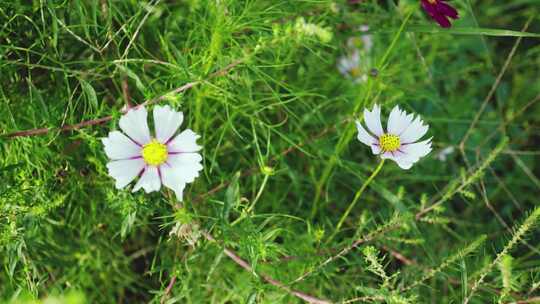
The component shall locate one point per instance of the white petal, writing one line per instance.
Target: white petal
(124, 171)
(134, 123)
(414, 131)
(119, 146)
(149, 181)
(184, 142)
(185, 165)
(389, 155)
(398, 121)
(403, 164)
(373, 120)
(172, 179)
(343, 66)
(413, 152)
(399, 158)
(166, 122)
(375, 148)
(363, 136)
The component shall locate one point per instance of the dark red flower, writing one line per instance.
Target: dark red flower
(439, 11)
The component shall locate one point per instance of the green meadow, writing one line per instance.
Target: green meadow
(290, 206)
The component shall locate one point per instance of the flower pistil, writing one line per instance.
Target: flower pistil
(154, 153)
(389, 142)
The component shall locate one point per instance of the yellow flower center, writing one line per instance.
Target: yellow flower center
(355, 72)
(154, 153)
(432, 1)
(389, 142)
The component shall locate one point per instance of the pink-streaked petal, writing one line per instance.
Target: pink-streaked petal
(388, 155)
(414, 131)
(184, 142)
(166, 122)
(134, 123)
(185, 165)
(363, 136)
(125, 171)
(399, 157)
(373, 120)
(150, 180)
(413, 152)
(119, 146)
(398, 121)
(375, 148)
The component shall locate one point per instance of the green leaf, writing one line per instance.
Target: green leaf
(89, 92)
(133, 76)
(232, 198)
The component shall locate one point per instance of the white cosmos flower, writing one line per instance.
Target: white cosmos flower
(399, 142)
(349, 66)
(356, 62)
(164, 159)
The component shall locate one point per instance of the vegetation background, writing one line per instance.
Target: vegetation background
(281, 161)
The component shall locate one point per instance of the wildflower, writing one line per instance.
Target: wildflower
(398, 143)
(350, 65)
(164, 159)
(440, 11)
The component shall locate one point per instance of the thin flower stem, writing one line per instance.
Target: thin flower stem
(356, 198)
(259, 193)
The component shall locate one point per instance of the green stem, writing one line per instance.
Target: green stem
(261, 189)
(356, 198)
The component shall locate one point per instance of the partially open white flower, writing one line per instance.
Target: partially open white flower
(357, 60)
(398, 143)
(349, 66)
(164, 159)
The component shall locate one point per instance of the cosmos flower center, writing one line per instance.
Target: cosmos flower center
(389, 142)
(355, 72)
(154, 153)
(432, 1)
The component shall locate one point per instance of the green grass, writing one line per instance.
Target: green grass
(281, 159)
